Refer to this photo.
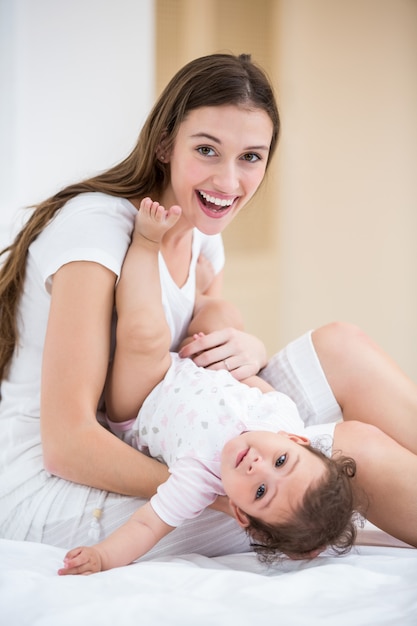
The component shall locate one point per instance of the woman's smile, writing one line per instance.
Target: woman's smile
(215, 206)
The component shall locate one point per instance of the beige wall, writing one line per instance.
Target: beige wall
(332, 234)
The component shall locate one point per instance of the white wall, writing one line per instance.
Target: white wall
(76, 81)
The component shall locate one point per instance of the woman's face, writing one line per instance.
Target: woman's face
(217, 163)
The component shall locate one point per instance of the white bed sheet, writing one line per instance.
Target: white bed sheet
(374, 585)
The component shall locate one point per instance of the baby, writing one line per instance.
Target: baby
(218, 436)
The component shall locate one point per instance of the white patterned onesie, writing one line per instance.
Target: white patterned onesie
(186, 421)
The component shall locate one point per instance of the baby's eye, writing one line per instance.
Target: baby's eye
(281, 460)
(251, 157)
(206, 151)
(260, 492)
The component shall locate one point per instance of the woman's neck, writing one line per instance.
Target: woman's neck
(176, 249)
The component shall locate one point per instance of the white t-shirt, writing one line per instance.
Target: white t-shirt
(91, 227)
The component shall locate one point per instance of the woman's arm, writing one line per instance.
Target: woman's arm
(76, 355)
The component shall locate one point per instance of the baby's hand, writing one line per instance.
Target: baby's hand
(81, 561)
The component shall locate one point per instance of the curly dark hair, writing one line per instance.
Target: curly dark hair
(326, 517)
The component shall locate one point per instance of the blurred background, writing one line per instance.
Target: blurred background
(331, 235)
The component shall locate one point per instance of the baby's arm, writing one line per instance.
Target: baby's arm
(126, 544)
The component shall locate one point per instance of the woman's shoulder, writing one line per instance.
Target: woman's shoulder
(98, 201)
(90, 227)
(91, 212)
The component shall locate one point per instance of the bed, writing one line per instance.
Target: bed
(375, 584)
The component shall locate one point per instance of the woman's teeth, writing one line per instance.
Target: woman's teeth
(216, 201)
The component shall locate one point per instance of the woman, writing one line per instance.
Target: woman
(205, 146)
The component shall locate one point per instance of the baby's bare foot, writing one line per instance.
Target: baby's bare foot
(153, 220)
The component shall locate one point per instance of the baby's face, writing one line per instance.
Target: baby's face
(266, 474)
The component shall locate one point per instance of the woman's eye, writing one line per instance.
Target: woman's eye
(251, 157)
(260, 492)
(280, 460)
(206, 151)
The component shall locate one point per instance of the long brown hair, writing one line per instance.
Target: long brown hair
(212, 80)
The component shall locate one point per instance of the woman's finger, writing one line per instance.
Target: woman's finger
(202, 343)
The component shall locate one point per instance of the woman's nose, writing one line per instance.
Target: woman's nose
(226, 178)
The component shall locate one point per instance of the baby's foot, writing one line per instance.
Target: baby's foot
(153, 220)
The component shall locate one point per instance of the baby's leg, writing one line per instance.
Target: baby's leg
(142, 337)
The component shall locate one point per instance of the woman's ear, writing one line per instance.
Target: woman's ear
(240, 516)
(162, 152)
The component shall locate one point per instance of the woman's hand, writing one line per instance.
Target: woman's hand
(216, 339)
(242, 354)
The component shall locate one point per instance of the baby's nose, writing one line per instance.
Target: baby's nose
(254, 463)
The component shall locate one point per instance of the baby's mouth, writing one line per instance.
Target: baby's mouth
(241, 456)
